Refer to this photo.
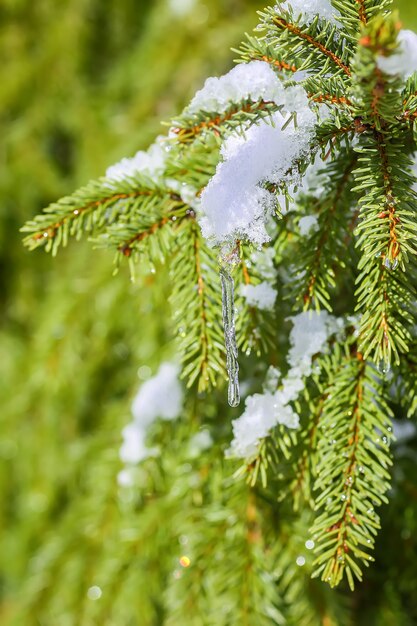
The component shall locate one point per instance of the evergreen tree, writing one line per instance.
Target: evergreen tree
(296, 170)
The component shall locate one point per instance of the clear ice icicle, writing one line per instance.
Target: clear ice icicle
(228, 302)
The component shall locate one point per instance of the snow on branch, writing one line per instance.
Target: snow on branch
(311, 9)
(236, 203)
(161, 396)
(309, 337)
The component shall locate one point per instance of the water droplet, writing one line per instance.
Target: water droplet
(300, 561)
(343, 497)
(310, 544)
(94, 593)
(383, 367)
(144, 372)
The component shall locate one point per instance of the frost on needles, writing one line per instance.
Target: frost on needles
(299, 167)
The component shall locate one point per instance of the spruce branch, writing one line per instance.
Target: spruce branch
(387, 228)
(326, 50)
(386, 301)
(271, 460)
(195, 304)
(150, 228)
(355, 14)
(352, 471)
(406, 390)
(329, 367)
(250, 318)
(235, 119)
(409, 101)
(330, 91)
(322, 255)
(228, 569)
(305, 470)
(257, 49)
(92, 209)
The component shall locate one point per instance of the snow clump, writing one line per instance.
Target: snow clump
(404, 61)
(310, 9)
(161, 396)
(307, 224)
(262, 413)
(262, 296)
(150, 163)
(252, 81)
(309, 336)
(263, 260)
(235, 204)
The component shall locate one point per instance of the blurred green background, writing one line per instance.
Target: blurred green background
(83, 83)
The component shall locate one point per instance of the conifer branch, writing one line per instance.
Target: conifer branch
(324, 251)
(127, 247)
(301, 487)
(387, 228)
(311, 41)
(355, 14)
(406, 396)
(193, 300)
(329, 368)
(250, 318)
(92, 209)
(154, 222)
(318, 36)
(362, 11)
(187, 127)
(352, 471)
(256, 49)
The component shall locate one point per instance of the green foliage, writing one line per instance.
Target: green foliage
(324, 250)
(355, 429)
(198, 540)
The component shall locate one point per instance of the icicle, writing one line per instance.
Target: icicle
(228, 301)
